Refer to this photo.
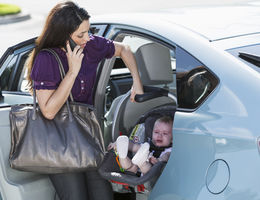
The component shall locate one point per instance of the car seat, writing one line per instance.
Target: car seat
(154, 65)
(124, 181)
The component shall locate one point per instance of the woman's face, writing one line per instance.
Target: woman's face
(81, 35)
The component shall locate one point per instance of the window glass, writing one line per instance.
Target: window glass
(97, 29)
(23, 83)
(6, 78)
(251, 50)
(135, 41)
(194, 81)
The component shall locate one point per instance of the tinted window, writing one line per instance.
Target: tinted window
(97, 29)
(250, 50)
(194, 81)
(6, 77)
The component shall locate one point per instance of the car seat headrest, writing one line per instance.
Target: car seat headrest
(154, 64)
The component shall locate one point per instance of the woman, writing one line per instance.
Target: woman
(66, 20)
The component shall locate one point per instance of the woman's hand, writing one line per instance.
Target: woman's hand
(51, 101)
(134, 91)
(74, 59)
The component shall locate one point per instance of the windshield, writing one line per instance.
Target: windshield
(249, 55)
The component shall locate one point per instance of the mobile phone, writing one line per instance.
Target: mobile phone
(72, 44)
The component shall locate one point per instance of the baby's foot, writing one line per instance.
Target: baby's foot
(122, 146)
(141, 155)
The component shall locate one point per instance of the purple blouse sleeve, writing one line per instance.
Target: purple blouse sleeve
(102, 47)
(45, 72)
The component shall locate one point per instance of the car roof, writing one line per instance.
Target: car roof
(218, 22)
(212, 23)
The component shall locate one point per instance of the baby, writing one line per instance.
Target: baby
(147, 154)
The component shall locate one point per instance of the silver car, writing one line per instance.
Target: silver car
(207, 60)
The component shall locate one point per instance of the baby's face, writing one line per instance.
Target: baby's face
(162, 134)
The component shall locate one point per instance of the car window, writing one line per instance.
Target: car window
(6, 76)
(97, 29)
(194, 81)
(250, 51)
(13, 70)
(21, 83)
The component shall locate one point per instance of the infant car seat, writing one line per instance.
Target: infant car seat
(124, 181)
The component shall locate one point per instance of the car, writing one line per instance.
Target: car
(207, 60)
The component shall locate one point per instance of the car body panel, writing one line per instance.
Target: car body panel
(202, 137)
(12, 99)
(20, 185)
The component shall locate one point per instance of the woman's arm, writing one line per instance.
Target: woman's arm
(127, 56)
(50, 101)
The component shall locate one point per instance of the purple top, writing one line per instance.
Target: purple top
(46, 74)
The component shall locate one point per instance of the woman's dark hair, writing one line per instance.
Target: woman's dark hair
(62, 21)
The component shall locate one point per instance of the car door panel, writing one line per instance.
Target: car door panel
(17, 184)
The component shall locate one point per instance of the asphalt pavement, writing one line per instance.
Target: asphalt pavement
(29, 23)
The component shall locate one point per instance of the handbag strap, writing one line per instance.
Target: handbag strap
(61, 68)
(62, 73)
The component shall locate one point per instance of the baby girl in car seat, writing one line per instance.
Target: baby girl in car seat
(147, 154)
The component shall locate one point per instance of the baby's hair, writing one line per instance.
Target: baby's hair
(165, 119)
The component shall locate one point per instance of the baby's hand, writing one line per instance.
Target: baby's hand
(112, 145)
(153, 160)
